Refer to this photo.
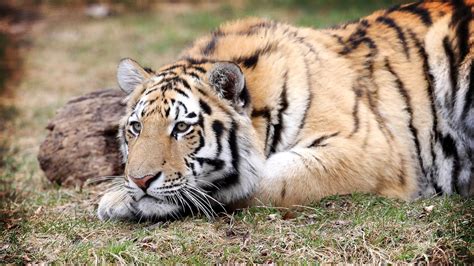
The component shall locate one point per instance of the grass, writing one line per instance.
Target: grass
(70, 55)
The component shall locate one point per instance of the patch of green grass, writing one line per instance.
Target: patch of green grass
(356, 228)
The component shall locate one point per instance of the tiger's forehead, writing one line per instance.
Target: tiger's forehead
(168, 97)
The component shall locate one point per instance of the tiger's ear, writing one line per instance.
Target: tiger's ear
(130, 74)
(228, 80)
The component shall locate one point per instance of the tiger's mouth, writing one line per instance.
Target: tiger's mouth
(189, 197)
(149, 197)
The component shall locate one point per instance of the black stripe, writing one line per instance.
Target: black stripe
(277, 128)
(202, 142)
(337, 37)
(257, 27)
(194, 75)
(150, 91)
(355, 111)
(319, 141)
(150, 102)
(461, 18)
(264, 113)
(249, 62)
(149, 70)
(402, 174)
(198, 69)
(172, 67)
(191, 115)
(245, 96)
(151, 112)
(168, 74)
(232, 177)
(179, 103)
(406, 97)
(181, 92)
(434, 130)
(449, 146)
(267, 134)
(450, 151)
(218, 164)
(185, 84)
(359, 37)
(252, 60)
(452, 69)
(227, 180)
(193, 168)
(200, 121)
(283, 189)
(374, 109)
(218, 129)
(177, 113)
(356, 38)
(211, 46)
(343, 26)
(401, 36)
(202, 91)
(234, 147)
(205, 107)
(415, 9)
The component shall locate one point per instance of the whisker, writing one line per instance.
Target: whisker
(174, 200)
(207, 196)
(205, 182)
(187, 204)
(115, 188)
(94, 180)
(195, 190)
(210, 213)
(197, 203)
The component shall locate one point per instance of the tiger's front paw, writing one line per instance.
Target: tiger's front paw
(115, 206)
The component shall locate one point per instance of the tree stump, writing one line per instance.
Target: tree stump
(82, 140)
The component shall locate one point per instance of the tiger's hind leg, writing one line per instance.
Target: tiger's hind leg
(304, 175)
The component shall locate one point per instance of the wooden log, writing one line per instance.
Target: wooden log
(82, 139)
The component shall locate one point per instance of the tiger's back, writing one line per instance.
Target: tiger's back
(399, 78)
(289, 115)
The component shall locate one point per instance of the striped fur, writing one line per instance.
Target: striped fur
(275, 114)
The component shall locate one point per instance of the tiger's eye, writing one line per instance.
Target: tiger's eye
(181, 127)
(136, 126)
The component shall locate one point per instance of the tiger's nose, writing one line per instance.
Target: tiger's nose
(145, 181)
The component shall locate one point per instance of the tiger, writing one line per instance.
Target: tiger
(263, 113)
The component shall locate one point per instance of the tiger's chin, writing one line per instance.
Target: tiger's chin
(119, 206)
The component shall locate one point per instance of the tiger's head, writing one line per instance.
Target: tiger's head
(187, 138)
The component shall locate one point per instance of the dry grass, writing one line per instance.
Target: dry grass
(70, 55)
